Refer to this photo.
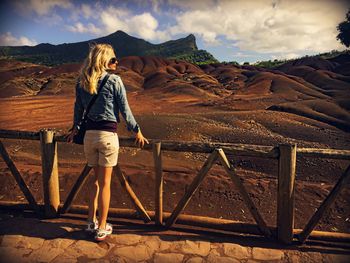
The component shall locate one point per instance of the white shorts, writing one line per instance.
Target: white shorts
(101, 148)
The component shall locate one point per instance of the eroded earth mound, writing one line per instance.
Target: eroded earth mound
(304, 102)
(315, 88)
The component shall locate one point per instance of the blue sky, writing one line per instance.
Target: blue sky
(232, 30)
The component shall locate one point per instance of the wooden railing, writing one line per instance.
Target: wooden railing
(285, 154)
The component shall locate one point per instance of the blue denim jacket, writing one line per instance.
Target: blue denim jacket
(111, 100)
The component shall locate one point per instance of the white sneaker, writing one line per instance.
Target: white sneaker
(101, 234)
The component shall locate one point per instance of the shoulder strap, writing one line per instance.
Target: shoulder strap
(92, 101)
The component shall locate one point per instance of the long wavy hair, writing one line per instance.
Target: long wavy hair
(94, 65)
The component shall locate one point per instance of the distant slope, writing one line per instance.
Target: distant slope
(124, 44)
(316, 89)
(273, 64)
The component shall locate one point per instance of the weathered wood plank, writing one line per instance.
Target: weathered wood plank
(248, 201)
(157, 156)
(191, 220)
(49, 161)
(200, 147)
(192, 188)
(229, 148)
(323, 153)
(76, 189)
(16, 174)
(22, 135)
(285, 194)
(134, 200)
(325, 205)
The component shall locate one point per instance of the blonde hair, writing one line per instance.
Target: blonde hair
(94, 65)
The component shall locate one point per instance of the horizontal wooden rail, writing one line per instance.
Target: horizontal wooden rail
(286, 178)
(323, 153)
(191, 220)
(202, 147)
(22, 135)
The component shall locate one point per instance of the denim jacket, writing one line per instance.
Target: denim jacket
(111, 100)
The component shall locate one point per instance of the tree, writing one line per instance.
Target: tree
(344, 31)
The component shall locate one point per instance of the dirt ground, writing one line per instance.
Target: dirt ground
(302, 104)
(217, 196)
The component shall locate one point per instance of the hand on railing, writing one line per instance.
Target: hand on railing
(140, 140)
(70, 135)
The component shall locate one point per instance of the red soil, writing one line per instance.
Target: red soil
(303, 103)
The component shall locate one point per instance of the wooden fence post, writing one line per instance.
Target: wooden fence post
(157, 156)
(285, 196)
(49, 172)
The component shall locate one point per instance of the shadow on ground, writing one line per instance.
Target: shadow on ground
(70, 226)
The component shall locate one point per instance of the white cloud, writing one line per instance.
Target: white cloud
(266, 26)
(87, 10)
(42, 7)
(84, 11)
(43, 11)
(156, 6)
(145, 26)
(198, 22)
(194, 4)
(81, 28)
(8, 39)
(286, 56)
(49, 20)
(242, 55)
(273, 27)
(111, 19)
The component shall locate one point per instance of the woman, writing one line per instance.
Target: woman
(101, 143)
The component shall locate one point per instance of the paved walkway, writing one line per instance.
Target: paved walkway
(24, 238)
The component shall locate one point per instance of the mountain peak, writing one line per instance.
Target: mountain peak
(117, 34)
(191, 36)
(191, 41)
(123, 44)
(120, 33)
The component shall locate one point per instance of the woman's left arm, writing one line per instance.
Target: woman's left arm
(78, 113)
(127, 114)
(78, 108)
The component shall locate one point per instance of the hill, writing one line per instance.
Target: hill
(304, 103)
(124, 44)
(315, 88)
(277, 63)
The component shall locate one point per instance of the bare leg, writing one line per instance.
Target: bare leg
(104, 181)
(93, 195)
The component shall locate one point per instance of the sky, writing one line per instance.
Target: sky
(231, 30)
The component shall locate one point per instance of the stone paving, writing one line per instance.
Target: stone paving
(28, 239)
